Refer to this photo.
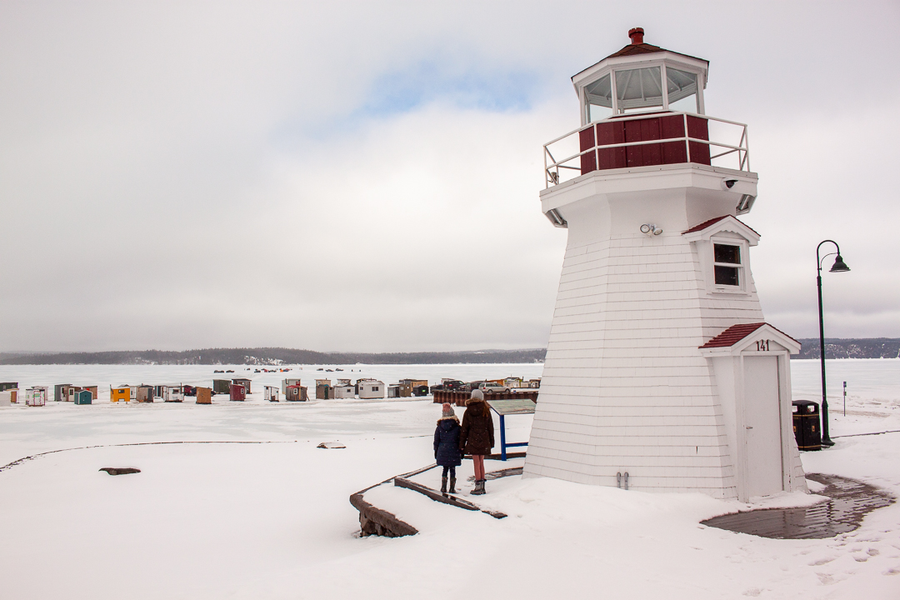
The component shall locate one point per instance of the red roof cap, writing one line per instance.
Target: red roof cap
(636, 35)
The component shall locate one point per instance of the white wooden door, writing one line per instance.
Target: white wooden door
(762, 420)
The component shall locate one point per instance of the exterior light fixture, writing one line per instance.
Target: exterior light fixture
(839, 266)
(648, 229)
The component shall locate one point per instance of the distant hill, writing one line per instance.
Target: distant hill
(851, 348)
(834, 348)
(271, 357)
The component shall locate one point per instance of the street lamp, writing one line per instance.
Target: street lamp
(839, 267)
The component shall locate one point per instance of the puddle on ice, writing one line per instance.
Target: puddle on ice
(849, 501)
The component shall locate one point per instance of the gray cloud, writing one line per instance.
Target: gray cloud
(362, 176)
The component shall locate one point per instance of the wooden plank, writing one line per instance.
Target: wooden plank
(375, 521)
(444, 498)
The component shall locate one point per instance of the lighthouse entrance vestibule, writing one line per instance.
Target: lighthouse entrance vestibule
(762, 422)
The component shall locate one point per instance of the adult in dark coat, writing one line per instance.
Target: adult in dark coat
(446, 446)
(476, 436)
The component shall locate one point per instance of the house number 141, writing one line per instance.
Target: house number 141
(762, 346)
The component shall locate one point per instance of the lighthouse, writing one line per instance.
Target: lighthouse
(661, 372)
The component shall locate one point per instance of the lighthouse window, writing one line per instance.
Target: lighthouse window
(598, 99)
(681, 87)
(727, 263)
(639, 89)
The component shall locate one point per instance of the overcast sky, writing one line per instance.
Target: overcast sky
(365, 175)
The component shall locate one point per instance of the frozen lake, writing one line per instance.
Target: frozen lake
(269, 517)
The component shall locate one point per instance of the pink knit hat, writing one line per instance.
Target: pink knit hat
(447, 410)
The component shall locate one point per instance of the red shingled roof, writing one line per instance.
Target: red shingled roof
(632, 49)
(736, 333)
(711, 222)
(732, 335)
(637, 46)
(637, 35)
(704, 224)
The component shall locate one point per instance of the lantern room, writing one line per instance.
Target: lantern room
(643, 106)
(631, 81)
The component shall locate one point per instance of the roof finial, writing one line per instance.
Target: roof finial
(636, 35)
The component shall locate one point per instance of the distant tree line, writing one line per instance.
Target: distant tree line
(851, 348)
(834, 348)
(270, 357)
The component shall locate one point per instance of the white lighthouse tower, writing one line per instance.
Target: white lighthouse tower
(661, 371)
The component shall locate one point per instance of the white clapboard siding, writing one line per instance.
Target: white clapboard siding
(625, 387)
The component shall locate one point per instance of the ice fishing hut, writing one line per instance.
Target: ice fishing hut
(36, 396)
(6, 397)
(172, 393)
(144, 393)
(660, 365)
(221, 386)
(120, 394)
(514, 382)
(295, 393)
(323, 389)
(344, 391)
(370, 389)
(286, 382)
(61, 392)
(242, 381)
(13, 388)
(407, 386)
(237, 392)
(204, 395)
(82, 397)
(270, 393)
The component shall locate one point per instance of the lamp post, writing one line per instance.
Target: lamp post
(838, 267)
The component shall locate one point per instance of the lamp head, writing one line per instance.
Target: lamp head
(839, 266)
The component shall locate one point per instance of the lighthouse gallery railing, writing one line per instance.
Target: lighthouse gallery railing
(647, 139)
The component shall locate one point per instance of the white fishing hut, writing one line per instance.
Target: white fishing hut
(344, 390)
(370, 389)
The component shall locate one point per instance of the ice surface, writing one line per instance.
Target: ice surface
(269, 517)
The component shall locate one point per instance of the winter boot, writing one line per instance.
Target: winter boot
(453, 485)
(479, 487)
(443, 485)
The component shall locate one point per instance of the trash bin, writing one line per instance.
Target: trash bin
(807, 430)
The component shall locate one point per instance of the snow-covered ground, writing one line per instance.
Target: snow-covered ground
(270, 518)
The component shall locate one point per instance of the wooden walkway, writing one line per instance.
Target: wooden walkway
(849, 501)
(375, 521)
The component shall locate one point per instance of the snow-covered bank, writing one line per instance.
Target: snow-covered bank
(272, 520)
